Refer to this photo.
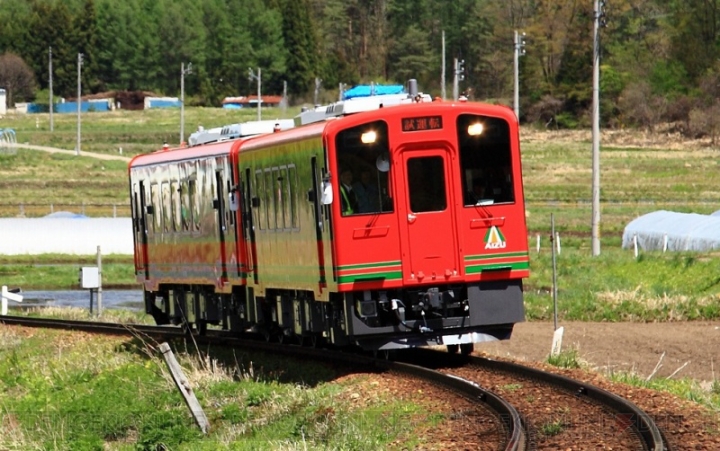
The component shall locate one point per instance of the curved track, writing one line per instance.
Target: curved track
(418, 364)
(510, 432)
(625, 413)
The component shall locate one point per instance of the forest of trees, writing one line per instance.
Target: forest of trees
(659, 57)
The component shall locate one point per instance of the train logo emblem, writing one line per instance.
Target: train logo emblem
(494, 239)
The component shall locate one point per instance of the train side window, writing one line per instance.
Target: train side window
(194, 205)
(175, 205)
(157, 207)
(277, 198)
(486, 159)
(364, 151)
(260, 194)
(270, 199)
(167, 206)
(185, 209)
(292, 197)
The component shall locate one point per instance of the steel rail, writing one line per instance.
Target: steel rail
(515, 430)
(641, 422)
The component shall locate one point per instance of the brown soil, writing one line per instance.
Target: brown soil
(681, 350)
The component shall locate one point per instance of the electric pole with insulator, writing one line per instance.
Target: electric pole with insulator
(459, 71)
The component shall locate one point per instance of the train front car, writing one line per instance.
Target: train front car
(429, 235)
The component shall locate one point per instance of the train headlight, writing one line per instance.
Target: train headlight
(368, 137)
(475, 129)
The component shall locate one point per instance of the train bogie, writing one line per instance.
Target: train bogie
(386, 229)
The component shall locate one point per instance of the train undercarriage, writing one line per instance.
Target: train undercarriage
(378, 320)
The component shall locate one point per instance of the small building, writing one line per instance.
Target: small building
(3, 102)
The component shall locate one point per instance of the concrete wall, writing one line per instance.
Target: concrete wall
(77, 236)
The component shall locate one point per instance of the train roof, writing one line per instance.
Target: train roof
(186, 153)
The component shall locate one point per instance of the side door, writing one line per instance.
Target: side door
(249, 226)
(140, 228)
(430, 245)
(220, 206)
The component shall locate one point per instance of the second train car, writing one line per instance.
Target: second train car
(397, 227)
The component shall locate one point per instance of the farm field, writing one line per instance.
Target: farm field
(640, 173)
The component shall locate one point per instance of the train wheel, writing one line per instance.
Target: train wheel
(467, 348)
(453, 349)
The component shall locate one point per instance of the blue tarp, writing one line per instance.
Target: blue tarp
(367, 91)
(684, 231)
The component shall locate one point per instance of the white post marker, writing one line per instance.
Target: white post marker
(7, 295)
(635, 245)
(557, 341)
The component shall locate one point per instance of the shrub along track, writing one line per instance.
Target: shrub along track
(557, 412)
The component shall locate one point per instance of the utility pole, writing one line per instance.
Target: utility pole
(599, 22)
(183, 71)
(79, 100)
(519, 46)
(442, 75)
(52, 127)
(318, 85)
(253, 76)
(459, 71)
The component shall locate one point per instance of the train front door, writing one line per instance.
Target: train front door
(430, 247)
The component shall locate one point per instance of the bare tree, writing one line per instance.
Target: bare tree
(16, 77)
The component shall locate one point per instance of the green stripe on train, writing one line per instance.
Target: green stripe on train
(495, 256)
(370, 277)
(368, 265)
(475, 269)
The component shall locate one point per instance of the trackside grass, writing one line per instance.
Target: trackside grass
(705, 393)
(72, 391)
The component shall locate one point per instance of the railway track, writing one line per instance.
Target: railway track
(525, 408)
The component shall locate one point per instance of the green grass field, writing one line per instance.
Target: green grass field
(557, 180)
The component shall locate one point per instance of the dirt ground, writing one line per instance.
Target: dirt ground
(688, 349)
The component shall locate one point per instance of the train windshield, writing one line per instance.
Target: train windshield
(485, 158)
(363, 157)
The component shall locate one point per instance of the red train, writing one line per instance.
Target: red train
(396, 227)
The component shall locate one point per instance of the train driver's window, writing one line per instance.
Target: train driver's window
(485, 159)
(363, 156)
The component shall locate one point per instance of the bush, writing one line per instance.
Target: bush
(546, 111)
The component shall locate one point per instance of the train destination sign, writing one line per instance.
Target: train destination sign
(417, 124)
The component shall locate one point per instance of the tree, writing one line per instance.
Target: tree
(49, 26)
(300, 42)
(84, 40)
(16, 77)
